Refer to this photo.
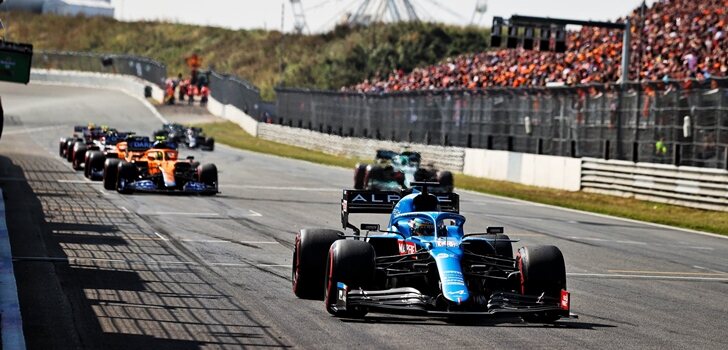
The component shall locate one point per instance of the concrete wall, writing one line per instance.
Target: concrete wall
(447, 158)
(529, 169)
(129, 84)
(231, 113)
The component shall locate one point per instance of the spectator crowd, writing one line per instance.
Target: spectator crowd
(674, 40)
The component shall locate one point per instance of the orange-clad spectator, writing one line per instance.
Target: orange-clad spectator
(679, 39)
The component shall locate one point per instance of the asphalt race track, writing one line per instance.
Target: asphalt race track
(99, 270)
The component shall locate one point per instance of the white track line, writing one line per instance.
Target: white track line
(170, 213)
(596, 214)
(283, 188)
(30, 130)
(226, 241)
(648, 277)
(160, 236)
(87, 182)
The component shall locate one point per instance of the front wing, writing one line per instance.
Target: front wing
(410, 301)
(192, 187)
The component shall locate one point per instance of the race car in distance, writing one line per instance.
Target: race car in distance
(84, 138)
(159, 170)
(191, 137)
(393, 171)
(425, 264)
(130, 148)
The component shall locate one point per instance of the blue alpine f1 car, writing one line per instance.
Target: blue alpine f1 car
(424, 263)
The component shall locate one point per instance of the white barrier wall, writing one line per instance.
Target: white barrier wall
(129, 84)
(233, 114)
(446, 158)
(529, 169)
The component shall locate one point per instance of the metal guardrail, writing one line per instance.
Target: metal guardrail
(642, 123)
(232, 90)
(687, 186)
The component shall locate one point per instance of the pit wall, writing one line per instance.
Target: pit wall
(692, 187)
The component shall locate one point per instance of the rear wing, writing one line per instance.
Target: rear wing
(385, 154)
(383, 202)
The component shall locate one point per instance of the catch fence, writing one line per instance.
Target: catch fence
(682, 123)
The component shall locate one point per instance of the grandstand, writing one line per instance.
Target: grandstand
(675, 40)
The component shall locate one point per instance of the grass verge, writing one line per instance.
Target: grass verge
(703, 220)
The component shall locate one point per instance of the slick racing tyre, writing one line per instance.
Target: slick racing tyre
(62, 147)
(309, 261)
(207, 174)
(542, 271)
(126, 176)
(94, 162)
(69, 149)
(503, 246)
(446, 180)
(360, 172)
(111, 170)
(79, 155)
(209, 144)
(350, 262)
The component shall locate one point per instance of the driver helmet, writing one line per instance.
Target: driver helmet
(421, 227)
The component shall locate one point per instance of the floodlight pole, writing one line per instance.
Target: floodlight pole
(626, 51)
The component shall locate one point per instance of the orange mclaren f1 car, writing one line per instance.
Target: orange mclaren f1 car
(157, 169)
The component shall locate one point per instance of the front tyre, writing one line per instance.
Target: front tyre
(207, 174)
(126, 176)
(352, 263)
(111, 170)
(543, 271)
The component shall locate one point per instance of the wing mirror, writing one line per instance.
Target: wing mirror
(370, 227)
(493, 230)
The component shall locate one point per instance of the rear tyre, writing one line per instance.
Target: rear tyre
(79, 155)
(209, 144)
(308, 268)
(360, 172)
(542, 272)
(350, 262)
(127, 175)
(446, 181)
(111, 171)
(503, 246)
(69, 149)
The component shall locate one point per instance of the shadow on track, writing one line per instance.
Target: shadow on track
(473, 322)
(93, 277)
